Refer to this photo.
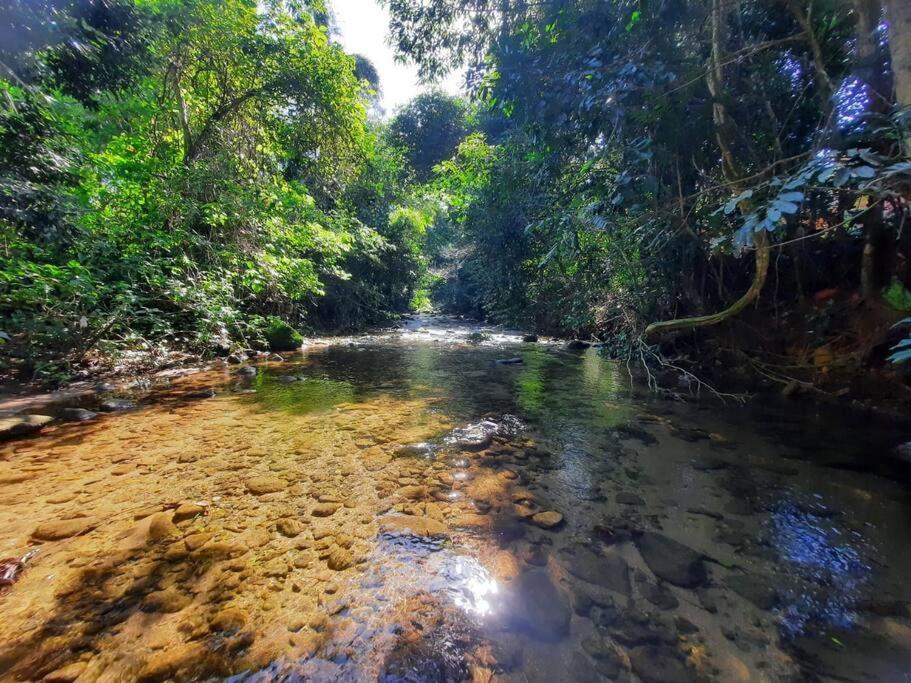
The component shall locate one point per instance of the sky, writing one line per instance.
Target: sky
(363, 27)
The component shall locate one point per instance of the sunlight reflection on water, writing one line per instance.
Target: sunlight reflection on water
(829, 562)
(471, 587)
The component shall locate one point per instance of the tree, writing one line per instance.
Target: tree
(428, 129)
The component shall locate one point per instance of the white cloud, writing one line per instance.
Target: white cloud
(363, 27)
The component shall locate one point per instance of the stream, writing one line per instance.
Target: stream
(406, 506)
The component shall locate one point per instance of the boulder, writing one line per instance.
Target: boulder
(22, 425)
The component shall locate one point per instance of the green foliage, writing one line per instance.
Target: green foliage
(608, 199)
(189, 173)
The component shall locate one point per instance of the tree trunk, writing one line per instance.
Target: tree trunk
(871, 69)
(899, 16)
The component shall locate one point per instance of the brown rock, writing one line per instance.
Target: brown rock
(259, 486)
(505, 566)
(548, 519)
(161, 527)
(473, 521)
(229, 619)
(340, 558)
(173, 661)
(415, 526)
(59, 529)
(168, 600)
(223, 549)
(196, 541)
(289, 527)
(524, 511)
(66, 674)
(413, 492)
(187, 511)
(324, 509)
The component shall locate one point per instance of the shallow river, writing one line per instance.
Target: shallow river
(404, 507)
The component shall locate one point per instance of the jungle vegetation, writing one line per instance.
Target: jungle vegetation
(671, 177)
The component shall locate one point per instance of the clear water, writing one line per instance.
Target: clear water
(363, 511)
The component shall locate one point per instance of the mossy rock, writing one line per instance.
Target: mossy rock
(282, 337)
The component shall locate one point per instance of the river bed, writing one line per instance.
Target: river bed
(409, 507)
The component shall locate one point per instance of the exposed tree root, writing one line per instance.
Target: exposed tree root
(759, 277)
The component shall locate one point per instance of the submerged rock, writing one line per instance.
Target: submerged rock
(655, 664)
(113, 405)
(290, 527)
(179, 661)
(188, 511)
(60, 529)
(340, 558)
(549, 519)
(608, 571)
(324, 509)
(627, 498)
(415, 450)
(672, 561)
(423, 527)
(229, 619)
(77, 415)
(707, 463)
(200, 394)
(659, 596)
(167, 601)
(540, 608)
(161, 527)
(259, 486)
(66, 674)
(757, 589)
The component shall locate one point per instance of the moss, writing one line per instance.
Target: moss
(281, 336)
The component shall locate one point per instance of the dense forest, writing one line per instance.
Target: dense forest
(212, 175)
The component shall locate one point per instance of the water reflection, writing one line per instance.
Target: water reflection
(829, 563)
(470, 586)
